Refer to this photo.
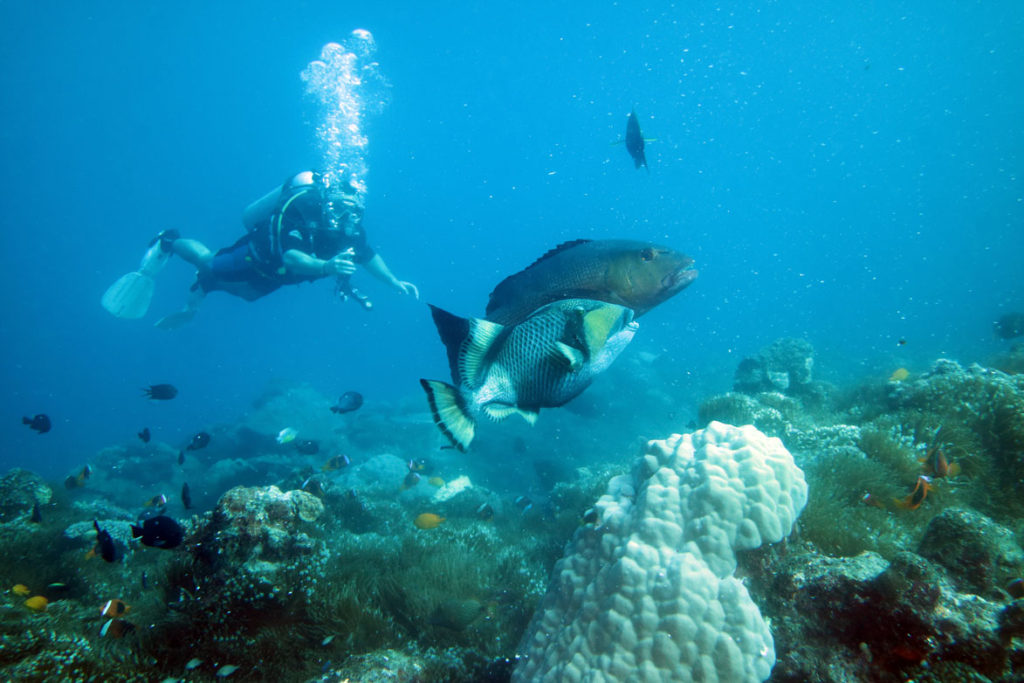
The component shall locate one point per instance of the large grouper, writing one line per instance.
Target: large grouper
(634, 274)
(544, 361)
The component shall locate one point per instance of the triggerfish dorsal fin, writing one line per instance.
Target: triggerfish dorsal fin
(499, 411)
(448, 409)
(467, 341)
(597, 326)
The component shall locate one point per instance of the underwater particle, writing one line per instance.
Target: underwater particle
(307, 446)
(226, 670)
(40, 423)
(287, 435)
(116, 628)
(485, 512)
(436, 481)
(114, 608)
(145, 435)
(428, 520)
(37, 514)
(327, 641)
(192, 663)
(899, 375)
(37, 603)
(20, 589)
(199, 441)
(159, 532)
(160, 392)
(336, 463)
(186, 496)
(349, 401)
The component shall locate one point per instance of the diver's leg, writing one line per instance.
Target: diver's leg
(185, 315)
(192, 251)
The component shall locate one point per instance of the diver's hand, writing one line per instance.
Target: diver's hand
(407, 288)
(342, 264)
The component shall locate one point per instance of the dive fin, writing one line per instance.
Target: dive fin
(448, 409)
(176, 319)
(129, 297)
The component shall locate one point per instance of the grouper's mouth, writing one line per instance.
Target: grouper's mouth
(680, 279)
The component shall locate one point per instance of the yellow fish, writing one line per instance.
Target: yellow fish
(899, 375)
(436, 481)
(428, 520)
(37, 603)
(20, 589)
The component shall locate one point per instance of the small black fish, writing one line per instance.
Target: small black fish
(200, 440)
(186, 496)
(635, 141)
(37, 515)
(160, 392)
(349, 401)
(105, 544)
(145, 435)
(307, 446)
(181, 457)
(485, 512)
(159, 532)
(40, 423)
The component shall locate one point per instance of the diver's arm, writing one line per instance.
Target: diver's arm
(376, 267)
(303, 264)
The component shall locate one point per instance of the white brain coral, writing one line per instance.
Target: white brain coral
(647, 594)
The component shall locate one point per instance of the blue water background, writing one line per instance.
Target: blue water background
(850, 173)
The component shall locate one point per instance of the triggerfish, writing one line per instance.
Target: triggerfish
(544, 361)
(636, 275)
(635, 141)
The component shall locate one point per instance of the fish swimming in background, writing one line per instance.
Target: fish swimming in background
(37, 514)
(160, 392)
(156, 501)
(116, 628)
(485, 512)
(523, 503)
(114, 608)
(40, 423)
(428, 520)
(199, 441)
(349, 401)
(287, 435)
(37, 603)
(899, 375)
(78, 481)
(913, 500)
(637, 275)
(159, 532)
(104, 544)
(411, 479)
(20, 589)
(186, 496)
(544, 361)
(145, 435)
(635, 142)
(336, 463)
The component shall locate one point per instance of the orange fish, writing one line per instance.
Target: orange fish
(410, 480)
(156, 501)
(37, 603)
(20, 589)
(872, 501)
(114, 608)
(428, 520)
(936, 464)
(914, 499)
(336, 463)
(116, 628)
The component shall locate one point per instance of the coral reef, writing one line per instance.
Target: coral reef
(647, 591)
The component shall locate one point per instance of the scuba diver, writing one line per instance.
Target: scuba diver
(300, 232)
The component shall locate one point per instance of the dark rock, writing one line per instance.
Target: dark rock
(978, 553)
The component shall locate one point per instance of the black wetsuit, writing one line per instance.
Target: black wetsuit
(253, 266)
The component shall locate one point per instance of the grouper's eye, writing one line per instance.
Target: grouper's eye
(648, 254)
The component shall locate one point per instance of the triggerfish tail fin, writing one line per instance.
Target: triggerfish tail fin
(448, 409)
(467, 341)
